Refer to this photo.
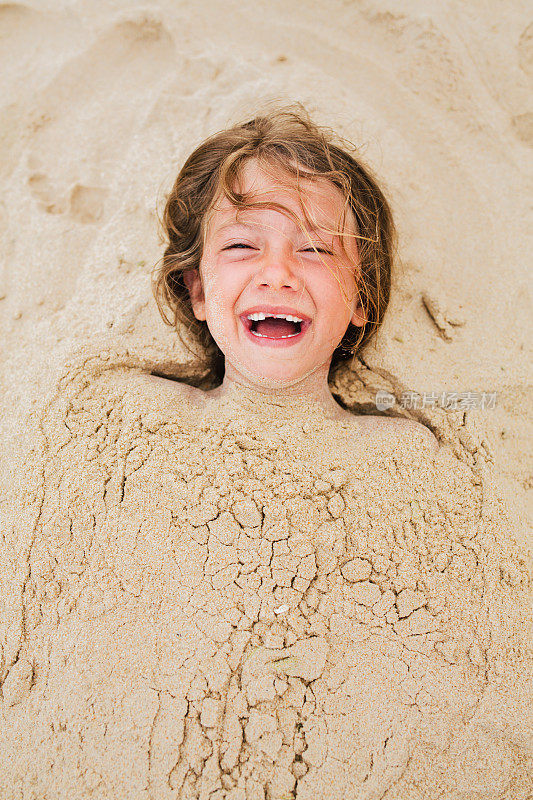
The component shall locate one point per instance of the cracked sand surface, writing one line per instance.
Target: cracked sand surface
(244, 604)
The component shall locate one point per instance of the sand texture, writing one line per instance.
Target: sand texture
(103, 101)
(253, 602)
(256, 602)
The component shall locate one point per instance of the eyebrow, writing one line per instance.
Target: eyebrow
(258, 225)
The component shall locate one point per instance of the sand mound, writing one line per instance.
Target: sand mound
(141, 651)
(251, 601)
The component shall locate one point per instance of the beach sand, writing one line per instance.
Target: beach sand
(254, 601)
(250, 599)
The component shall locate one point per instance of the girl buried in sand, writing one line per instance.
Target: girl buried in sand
(250, 592)
(289, 270)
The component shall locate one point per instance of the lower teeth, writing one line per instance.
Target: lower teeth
(262, 335)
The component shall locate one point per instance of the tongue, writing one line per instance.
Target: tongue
(273, 327)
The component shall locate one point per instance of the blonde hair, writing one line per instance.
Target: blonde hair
(287, 139)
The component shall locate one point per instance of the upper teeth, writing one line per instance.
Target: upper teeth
(259, 315)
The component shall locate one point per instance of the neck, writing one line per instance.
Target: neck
(295, 400)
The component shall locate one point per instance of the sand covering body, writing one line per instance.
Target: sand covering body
(254, 601)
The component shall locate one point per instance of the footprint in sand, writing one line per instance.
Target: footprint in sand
(29, 39)
(85, 204)
(88, 114)
(46, 193)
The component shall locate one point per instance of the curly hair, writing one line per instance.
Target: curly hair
(287, 139)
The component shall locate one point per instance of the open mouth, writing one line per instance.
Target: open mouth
(277, 330)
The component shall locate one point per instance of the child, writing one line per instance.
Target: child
(203, 604)
(279, 258)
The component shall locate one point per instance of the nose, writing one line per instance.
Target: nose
(278, 271)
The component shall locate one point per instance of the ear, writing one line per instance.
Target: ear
(358, 317)
(193, 282)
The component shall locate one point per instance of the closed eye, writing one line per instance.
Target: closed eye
(318, 250)
(243, 245)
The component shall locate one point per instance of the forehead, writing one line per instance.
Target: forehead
(319, 199)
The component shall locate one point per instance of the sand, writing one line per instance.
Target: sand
(220, 606)
(114, 97)
(252, 600)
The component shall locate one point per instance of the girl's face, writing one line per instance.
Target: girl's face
(263, 263)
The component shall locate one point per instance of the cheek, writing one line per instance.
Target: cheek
(213, 289)
(336, 287)
(221, 294)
